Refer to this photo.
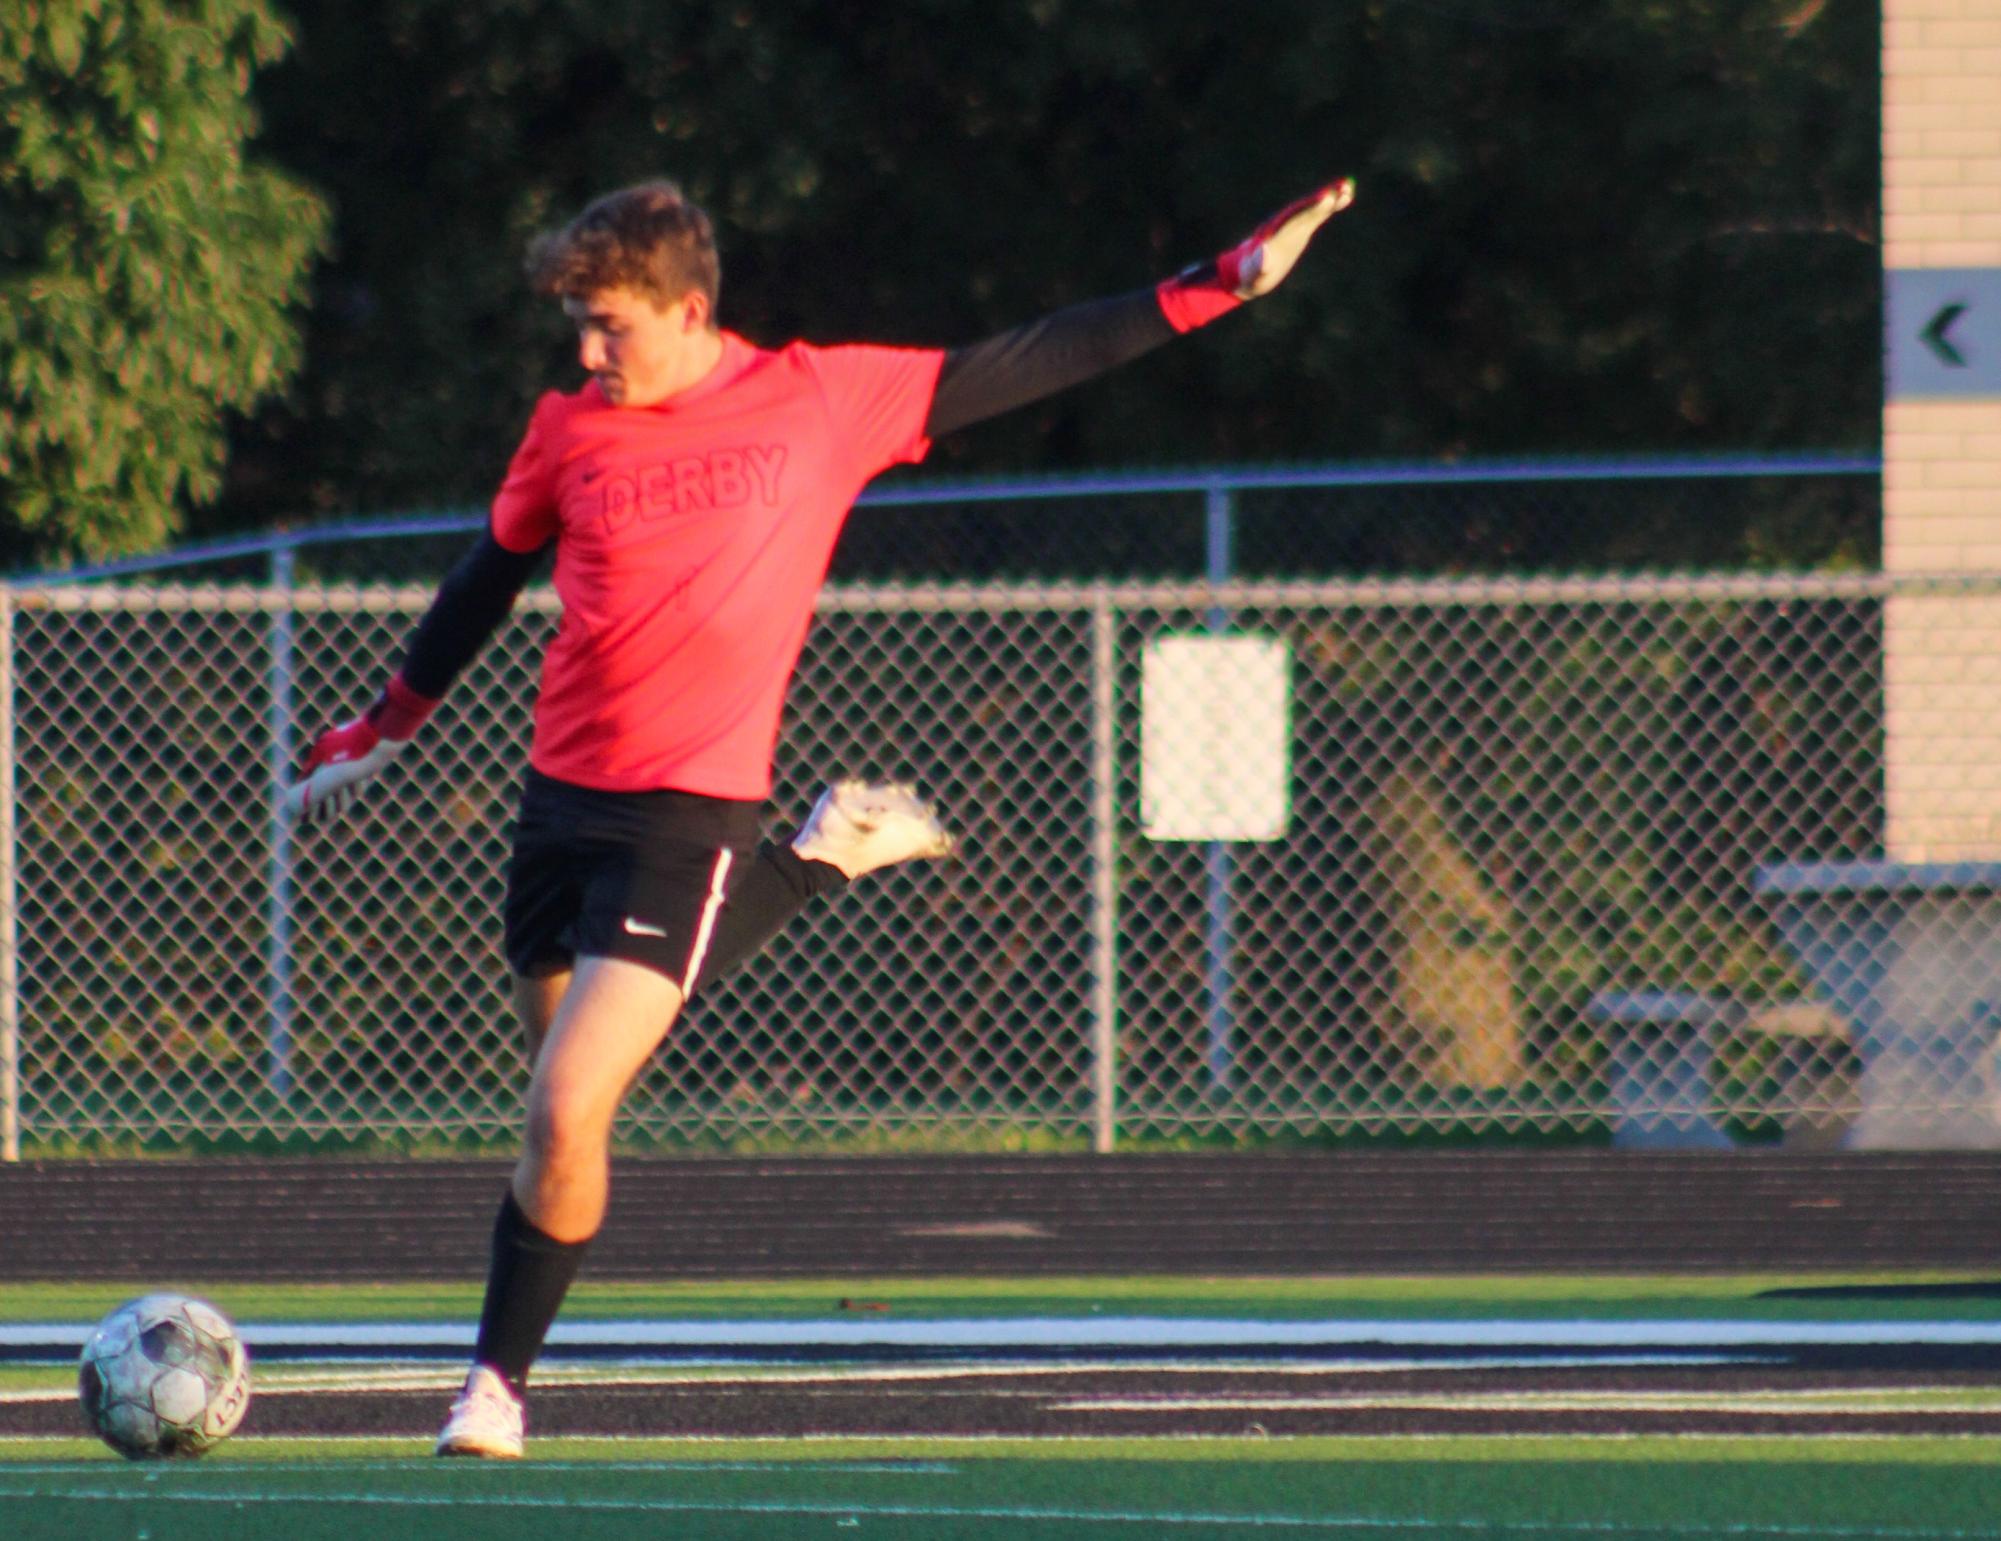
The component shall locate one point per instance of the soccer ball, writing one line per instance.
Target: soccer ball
(164, 1375)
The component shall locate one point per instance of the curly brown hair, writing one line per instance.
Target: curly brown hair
(648, 238)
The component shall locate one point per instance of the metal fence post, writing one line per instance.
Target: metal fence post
(1104, 874)
(10, 1012)
(278, 930)
(1219, 527)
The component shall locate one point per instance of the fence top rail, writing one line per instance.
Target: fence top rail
(1348, 593)
(277, 543)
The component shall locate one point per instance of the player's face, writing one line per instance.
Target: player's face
(639, 352)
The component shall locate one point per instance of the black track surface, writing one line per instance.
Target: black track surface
(1734, 1397)
(1574, 1211)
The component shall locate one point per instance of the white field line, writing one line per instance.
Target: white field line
(1828, 1405)
(1004, 1333)
(599, 1372)
(1831, 1401)
(779, 1443)
(427, 1462)
(360, 1371)
(362, 1376)
(1017, 1514)
(289, 1379)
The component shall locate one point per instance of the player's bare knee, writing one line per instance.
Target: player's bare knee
(561, 1136)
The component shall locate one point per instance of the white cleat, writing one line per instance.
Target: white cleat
(859, 826)
(485, 1419)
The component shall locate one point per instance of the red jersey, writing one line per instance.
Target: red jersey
(692, 538)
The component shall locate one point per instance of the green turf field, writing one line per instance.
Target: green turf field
(1869, 1491)
(1844, 1488)
(1882, 1296)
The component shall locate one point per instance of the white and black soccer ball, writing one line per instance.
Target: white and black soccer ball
(164, 1375)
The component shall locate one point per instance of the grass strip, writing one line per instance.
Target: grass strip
(1849, 1296)
(1927, 1450)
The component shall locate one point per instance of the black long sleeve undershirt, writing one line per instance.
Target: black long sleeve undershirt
(471, 602)
(985, 379)
(1040, 358)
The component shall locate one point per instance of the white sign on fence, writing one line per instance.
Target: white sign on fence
(1215, 738)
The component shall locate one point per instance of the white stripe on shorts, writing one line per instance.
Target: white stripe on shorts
(711, 907)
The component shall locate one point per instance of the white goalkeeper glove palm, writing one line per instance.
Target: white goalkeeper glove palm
(347, 758)
(342, 762)
(1259, 264)
(1255, 266)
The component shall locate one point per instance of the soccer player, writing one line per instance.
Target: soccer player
(691, 493)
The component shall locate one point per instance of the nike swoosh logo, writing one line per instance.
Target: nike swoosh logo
(636, 927)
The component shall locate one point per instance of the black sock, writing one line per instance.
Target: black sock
(530, 1274)
(775, 889)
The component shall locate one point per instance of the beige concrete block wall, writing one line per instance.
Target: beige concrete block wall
(1942, 711)
(1942, 458)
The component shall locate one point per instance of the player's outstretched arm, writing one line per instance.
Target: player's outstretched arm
(470, 604)
(1042, 357)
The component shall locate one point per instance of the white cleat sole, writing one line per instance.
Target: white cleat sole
(860, 826)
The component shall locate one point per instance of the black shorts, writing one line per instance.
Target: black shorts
(636, 875)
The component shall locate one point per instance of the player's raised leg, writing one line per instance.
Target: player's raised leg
(610, 1019)
(855, 827)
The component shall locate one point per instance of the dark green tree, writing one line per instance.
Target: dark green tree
(149, 272)
(1585, 226)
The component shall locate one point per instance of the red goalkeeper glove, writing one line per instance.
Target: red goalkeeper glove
(346, 758)
(1254, 266)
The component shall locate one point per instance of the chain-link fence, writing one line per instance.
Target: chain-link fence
(1516, 861)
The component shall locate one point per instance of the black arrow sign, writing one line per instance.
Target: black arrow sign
(1935, 338)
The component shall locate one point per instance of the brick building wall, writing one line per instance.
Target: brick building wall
(1942, 420)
